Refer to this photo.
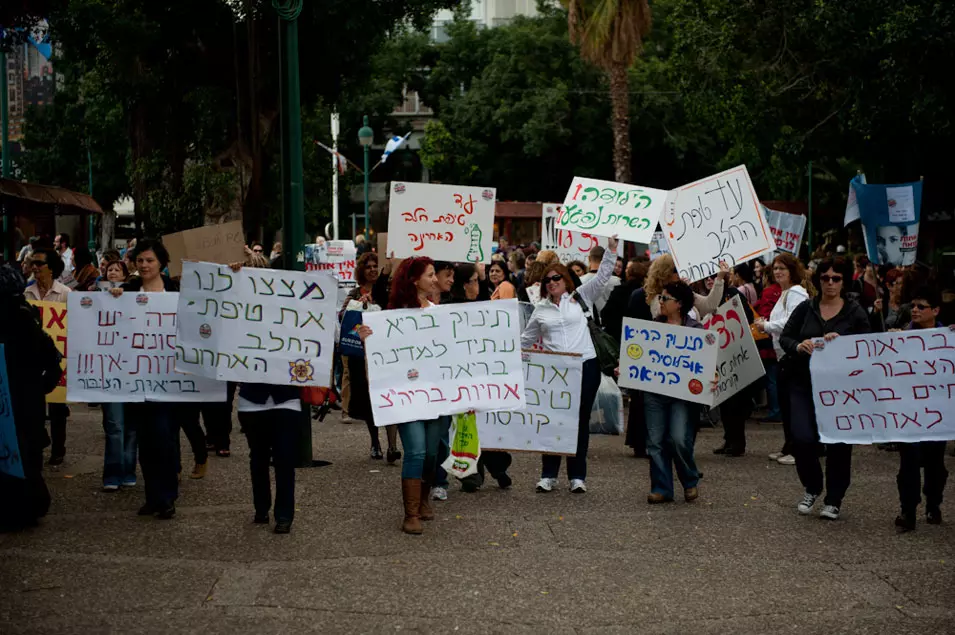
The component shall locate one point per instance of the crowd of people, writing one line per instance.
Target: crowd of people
(791, 307)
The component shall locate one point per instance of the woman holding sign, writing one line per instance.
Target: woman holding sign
(820, 320)
(413, 284)
(560, 318)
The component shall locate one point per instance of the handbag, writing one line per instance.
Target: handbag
(606, 345)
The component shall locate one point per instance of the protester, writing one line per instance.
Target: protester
(866, 287)
(62, 245)
(501, 287)
(371, 294)
(33, 370)
(444, 279)
(412, 287)
(361, 244)
(662, 272)
(276, 252)
(594, 260)
(560, 318)
(927, 455)
(47, 268)
(896, 312)
(616, 306)
(516, 263)
(758, 275)
(788, 273)
(578, 268)
(768, 297)
(110, 255)
(156, 423)
(826, 317)
(85, 270)
(671, 429)
(619, 267)
(742, 279)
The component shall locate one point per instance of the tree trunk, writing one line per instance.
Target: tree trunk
(620, 106)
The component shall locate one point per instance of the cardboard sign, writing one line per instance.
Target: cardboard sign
(549, 421)
(444, 222)
(10, 461)
(256, 325)
(568, 245)
(605, 208)
(885, 387)
(223, 244)
(424, 363)
(737, 360)
(124, 350)
(53, 319)
(715, 219)
(787, 229)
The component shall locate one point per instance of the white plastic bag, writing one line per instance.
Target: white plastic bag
(607, 414)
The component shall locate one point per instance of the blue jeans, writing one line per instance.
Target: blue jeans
(420, 440)
(671, 433)
(444, 451)
(119, 458)
(157, 430)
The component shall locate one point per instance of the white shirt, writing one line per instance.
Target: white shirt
(563, 326)
(67, 257)
(787, 303)
(56, 293)
(248, 406)
(601, 301)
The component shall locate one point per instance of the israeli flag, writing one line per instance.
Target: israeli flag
(393, 144)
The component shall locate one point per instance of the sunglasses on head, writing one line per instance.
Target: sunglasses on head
(554, 278)
(921, 307)
(833, 279)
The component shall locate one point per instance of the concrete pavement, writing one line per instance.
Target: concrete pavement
(739, 560)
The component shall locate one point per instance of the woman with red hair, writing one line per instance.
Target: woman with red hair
(413, 284)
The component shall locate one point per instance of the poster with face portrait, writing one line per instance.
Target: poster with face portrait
(890, 220)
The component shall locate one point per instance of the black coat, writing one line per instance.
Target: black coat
(616, 307)
(806, 323)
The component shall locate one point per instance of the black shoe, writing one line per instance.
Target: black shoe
(470, 484)
(734, 450)
(261, 519)
(167, 514)
(283, 527)
(146, 510)
(393, 456)
(905, 522)
(640, 454)
(720, 450)
(933, 516)
(55, 460)
(376, 453)
(503, 480)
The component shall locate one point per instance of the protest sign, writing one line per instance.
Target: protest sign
(568, 245)
(885, 387)
(890, 220)
(256, 325)
(549, 421)
(223, 243)
(712, 220)
(676, 361)
(53, 320)
(737, 360)
(444, 222)
(335, 257)
(787, 229)
(444, 360)
(605, 208)
(10, 461)
(124, 350)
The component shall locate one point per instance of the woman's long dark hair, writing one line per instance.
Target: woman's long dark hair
(404, 293)
(462, 275)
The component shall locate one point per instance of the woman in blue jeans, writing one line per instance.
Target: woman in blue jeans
(671, 429)
(413, 284)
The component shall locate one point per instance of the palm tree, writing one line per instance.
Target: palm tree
(610, 35)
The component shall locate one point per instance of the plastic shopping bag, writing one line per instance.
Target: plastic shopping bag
(607, 414)
(465, 446)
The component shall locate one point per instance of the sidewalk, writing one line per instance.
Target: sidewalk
(739, 560)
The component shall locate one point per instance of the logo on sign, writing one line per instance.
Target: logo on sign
(487, 195)
(300, 371)
(86, 302)
(205, 331)
(710, 339)
(412, 374)
(399, 188)
(695, 386)
(142, 299)
(892, 202)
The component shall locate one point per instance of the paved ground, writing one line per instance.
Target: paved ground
(739, 560)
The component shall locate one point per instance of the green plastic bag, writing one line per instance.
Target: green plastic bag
(465, 446)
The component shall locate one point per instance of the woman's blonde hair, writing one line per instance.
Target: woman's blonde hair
(548, 257)
(534, 273)
(660, 273)
(257, 261)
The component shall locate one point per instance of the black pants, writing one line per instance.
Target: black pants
(637, 424)
(913, 457)
(577, 464)
(734, 412)
(193, 431)
(58, 415)
(157, 432)
(218, 419)
(272, 434)
(805, 449)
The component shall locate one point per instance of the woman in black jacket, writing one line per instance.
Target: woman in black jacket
(821, 319)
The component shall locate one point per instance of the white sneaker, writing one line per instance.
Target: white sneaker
(829, 512)
(546, 484)
(439, 494)
(577, 486)
(805, 505)
(786, 459)
(774, 456)
(110, 488)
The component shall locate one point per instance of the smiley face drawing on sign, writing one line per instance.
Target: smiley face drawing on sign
(634, 351)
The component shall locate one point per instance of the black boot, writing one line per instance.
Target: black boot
(905, 522)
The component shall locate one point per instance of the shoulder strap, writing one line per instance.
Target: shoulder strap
(581, 302)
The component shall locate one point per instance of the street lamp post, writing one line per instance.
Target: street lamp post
(365, 137)
(5, 143)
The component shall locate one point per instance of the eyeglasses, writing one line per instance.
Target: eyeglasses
(832, 279)
(38, 263)
(554, 278)
(666, 298)
(921, 307)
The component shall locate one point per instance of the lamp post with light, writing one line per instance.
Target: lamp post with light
(365, 137)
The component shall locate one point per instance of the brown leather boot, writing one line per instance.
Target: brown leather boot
(411, 495)
(426, 509)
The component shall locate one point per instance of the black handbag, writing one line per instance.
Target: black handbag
(605, 344)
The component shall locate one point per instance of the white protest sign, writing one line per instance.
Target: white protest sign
(423, 363)
(886, 387)
(676, 361)
(550, 420)
(715, 219)
(568, 245)
(256, 325)
(901, 201)
(444, 222)
(124, 350)
(606, 208)
(338, 258)
(737, 361)
(658, 246)
(787, 229)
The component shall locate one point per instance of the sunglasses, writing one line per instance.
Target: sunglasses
(921, 307)
(832, 279)
(256, 251)
(666, 298)
(554, 278)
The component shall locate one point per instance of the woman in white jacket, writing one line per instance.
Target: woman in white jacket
(788, 273)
